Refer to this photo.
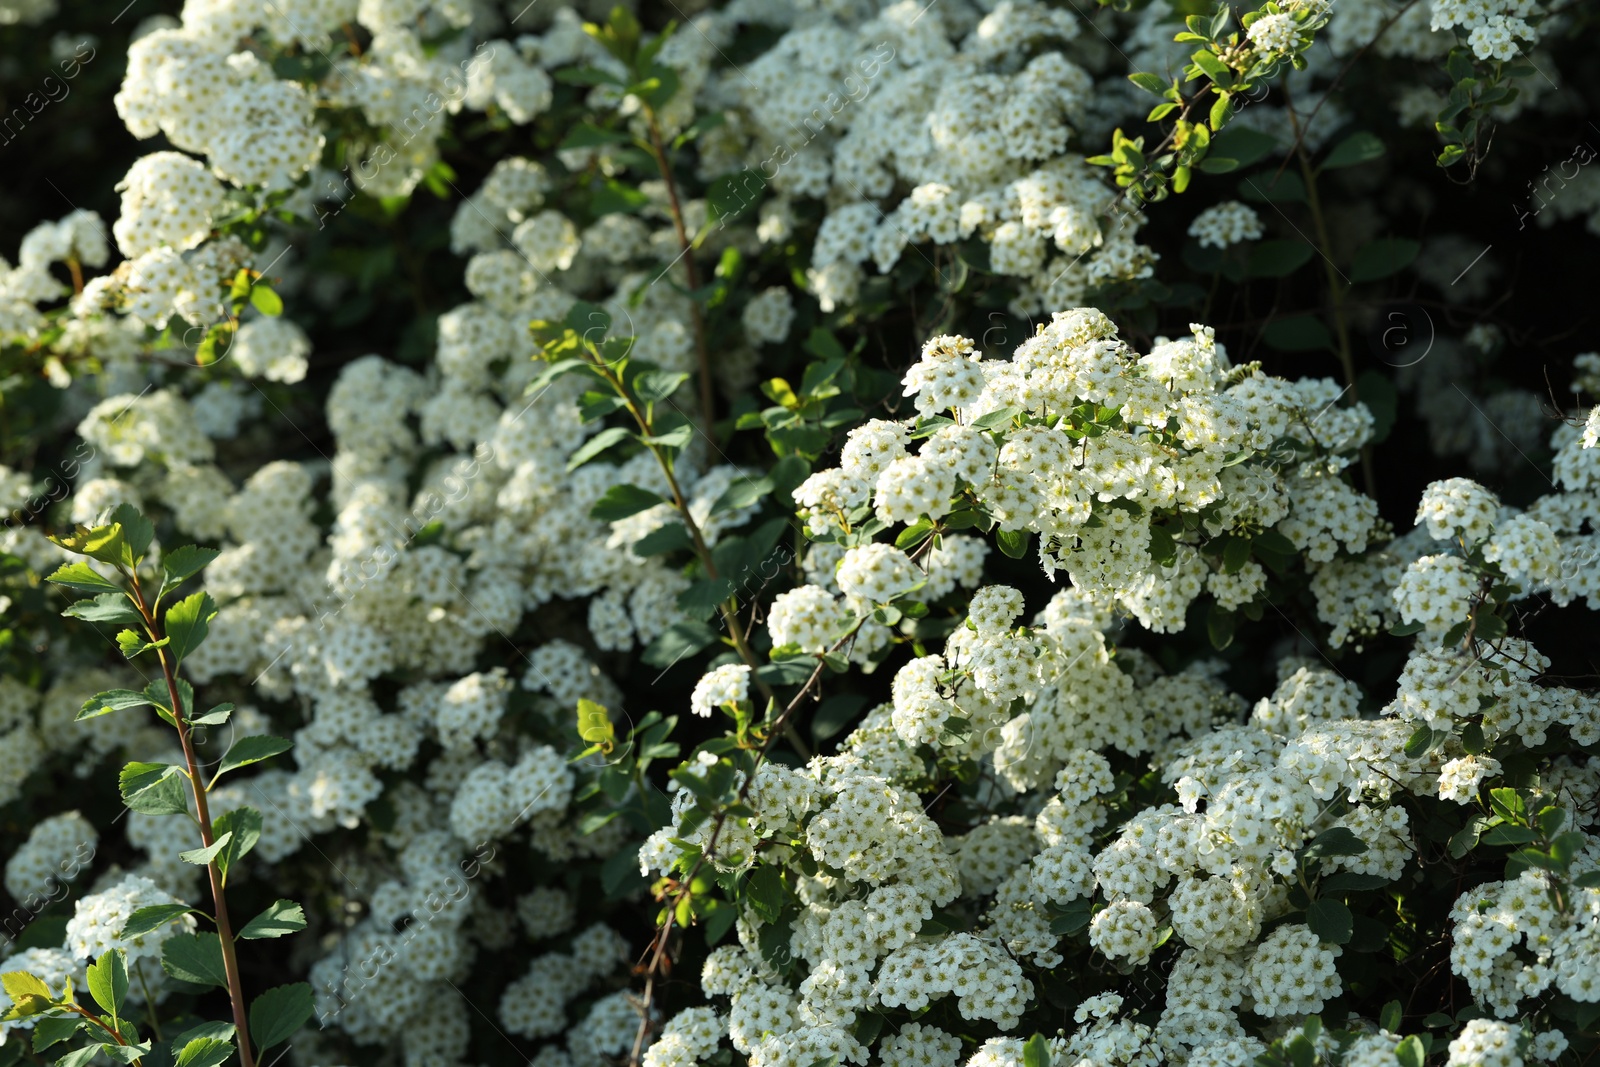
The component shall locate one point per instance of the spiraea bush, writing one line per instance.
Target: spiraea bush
(980, 533)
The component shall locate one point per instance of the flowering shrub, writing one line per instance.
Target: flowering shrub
(765, 534)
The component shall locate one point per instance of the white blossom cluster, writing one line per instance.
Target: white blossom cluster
(1047, 704)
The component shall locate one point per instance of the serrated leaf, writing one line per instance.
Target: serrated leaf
(656, 385)
(215, 717)
(202, 857)
(622, 501)
(243, 824)
(109, 701)
(106, 607)
(81, 576)
(48, 1031)
(248, 750)
(81, 1057)
(282, 917)
(183, 563)
(187, 622)
(278, 1013)
(137, 531)
(203, 1052)
(153, 789)
(107, 979)
(103, 543)
(194, 958)
(132, 643)
(152, 918)
(19, 984)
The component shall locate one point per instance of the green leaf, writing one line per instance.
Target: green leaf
(1507, 834)
(202, 857)
(616, 198)
(19, 984)
(1150, 83)
(1410, 1052)
(1013, 543)
(1243, 145)
(741, 494)
(109, 701)
(243, 825)
(81, 576)
(835, 713)
(732, 196)
(194, 958)
(48, 1031)
(137, 531)
(281, 917)
(1036, 1052)
(133, 643)
(187, 623)
(1381, 258)
(594, 724)
(1420, 742)
(588, 135)
(1163, 547)
(264, 300)
(278, 1013)
(597, 444)
(1298, 333)
(248, 750)
(1285, 188)
(147, 920)
(107, 978)
(621, 501)
(1390, 1017)
(1351, 882)
(153, 789)
(103, 543)
(657, 385)
(215, 717)
(107, 607)
(1220, 625)
(677, 642)
(81, 1057)
(1214, 67)
(995, 420)
(765, 892)
(1358, 148)
(1330, 920)
(672, 537)
(183, 563)
(1336, 841)
(203, 1052)
(1277, 258)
